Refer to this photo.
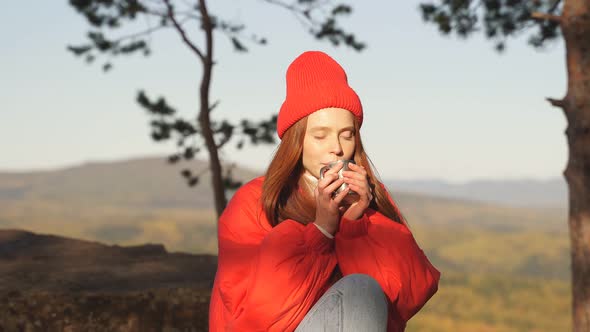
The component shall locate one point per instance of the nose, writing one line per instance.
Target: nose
(336, 147)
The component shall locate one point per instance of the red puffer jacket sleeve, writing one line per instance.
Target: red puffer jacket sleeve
(267, 278)
(386, 250)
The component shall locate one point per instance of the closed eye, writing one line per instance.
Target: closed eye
(347, 135)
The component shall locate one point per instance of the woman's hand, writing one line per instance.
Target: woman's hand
(358, 182)
(327, 213)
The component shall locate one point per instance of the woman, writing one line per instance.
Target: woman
(292, 254)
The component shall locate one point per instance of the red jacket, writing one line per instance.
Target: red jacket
(269, 278)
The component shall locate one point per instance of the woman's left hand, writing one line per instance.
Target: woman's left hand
(358, 182)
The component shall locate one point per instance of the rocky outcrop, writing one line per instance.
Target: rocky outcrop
(51, 283)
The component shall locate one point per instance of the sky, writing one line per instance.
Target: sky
(435, 107)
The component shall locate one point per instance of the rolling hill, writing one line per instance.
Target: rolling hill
(500, 263)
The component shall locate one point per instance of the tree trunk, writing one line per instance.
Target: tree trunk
(575, 25)
(204, 120)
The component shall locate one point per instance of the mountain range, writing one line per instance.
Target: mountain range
(152, 182)
(502, 248)
(520, 192)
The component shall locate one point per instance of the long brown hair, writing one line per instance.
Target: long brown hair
(282, 197)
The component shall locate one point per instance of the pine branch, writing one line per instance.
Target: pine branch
(180, 30)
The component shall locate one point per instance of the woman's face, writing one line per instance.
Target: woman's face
(329, 136)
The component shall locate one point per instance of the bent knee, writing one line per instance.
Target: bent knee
(362, 284)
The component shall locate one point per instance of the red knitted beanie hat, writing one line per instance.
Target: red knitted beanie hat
(316, 81)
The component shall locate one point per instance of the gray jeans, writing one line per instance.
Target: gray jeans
(354, 303)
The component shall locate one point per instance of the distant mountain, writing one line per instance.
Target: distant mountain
(142, 182)
(151, 182)
(520, 193)
(146, 200)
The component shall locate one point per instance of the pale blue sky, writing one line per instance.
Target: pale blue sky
(435, 107)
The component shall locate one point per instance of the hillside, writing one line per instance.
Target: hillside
(52, 283)
(519, 193)
(140, 183)
(154, 183)
(145, 201)
(33, 262)
(499, 263)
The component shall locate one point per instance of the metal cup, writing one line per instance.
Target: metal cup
(352, 196)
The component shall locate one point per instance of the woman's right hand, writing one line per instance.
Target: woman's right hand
(327, 213)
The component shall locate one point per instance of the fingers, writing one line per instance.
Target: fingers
(328, 190)
(340, 196)
(328, 181)
(362, 191)
(329, 176)
(334, 169)
(356, 171)
(357, 180)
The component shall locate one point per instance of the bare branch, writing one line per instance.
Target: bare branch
(180, 30)
(561, 103)
(213, 106)
(190, 15)
(545, 16)
(139, 34)
(297, 12)
(282, 4)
